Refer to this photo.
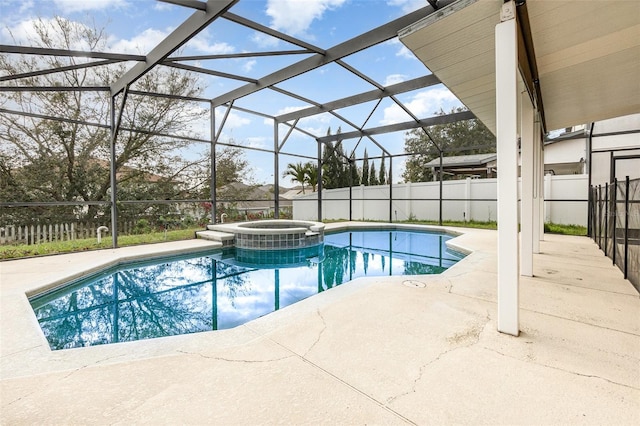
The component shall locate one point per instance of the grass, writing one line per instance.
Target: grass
(458, 223)
(554, 228)
(58, 247)
(550, 228)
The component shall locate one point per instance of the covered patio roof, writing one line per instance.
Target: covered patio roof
(586, 56)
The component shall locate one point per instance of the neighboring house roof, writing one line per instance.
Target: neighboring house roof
(576, 134)
(294, 192)
(463, 160)
(261, 196)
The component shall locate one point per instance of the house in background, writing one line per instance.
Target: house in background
(464, 166)
(566, 152)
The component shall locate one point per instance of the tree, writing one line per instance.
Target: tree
(311, 175)
(454, 138)
(373, 176)
(335, 171)
(382, 178)
(353, 170)
(68, 161)
(231, 167)
(298, 173)
(365, 169)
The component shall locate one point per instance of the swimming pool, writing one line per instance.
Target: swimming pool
(225, 288)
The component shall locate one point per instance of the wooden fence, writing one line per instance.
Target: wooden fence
(41, 233)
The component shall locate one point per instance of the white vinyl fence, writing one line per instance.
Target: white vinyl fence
(40, 233)
(470, 199)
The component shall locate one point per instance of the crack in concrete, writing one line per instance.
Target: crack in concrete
(438, 357)
(64, 377)
(324, 327)
(242, 361)
(21, 351)
(100, 361)
(591, 376)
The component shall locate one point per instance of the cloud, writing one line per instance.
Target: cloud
(264, 40)
(257, 142)
(203, 43)
(408, 5)
(25, 7)
(25, 33)
(394, 79)
(161, 7)
(248, 65)
(289, 109)
(70, 6)
(294, 16)
(141, 43)
(423, 104)
(151, 37)
(234, 121)
(402, 51)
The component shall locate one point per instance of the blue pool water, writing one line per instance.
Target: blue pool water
(224, 289)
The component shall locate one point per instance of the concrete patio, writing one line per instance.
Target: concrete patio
(393, 350)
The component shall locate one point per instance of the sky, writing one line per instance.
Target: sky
(136, 26)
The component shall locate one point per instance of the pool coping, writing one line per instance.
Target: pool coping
(123, 258)
(36, 355)
(377, 350)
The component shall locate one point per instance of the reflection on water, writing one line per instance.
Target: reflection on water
(219, 291)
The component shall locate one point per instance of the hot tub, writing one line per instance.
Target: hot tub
(273, 234)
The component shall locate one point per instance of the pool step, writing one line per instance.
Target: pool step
(223, 237)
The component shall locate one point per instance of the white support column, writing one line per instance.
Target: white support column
(361, 202)
(467, 199)
(408, 207)
(507, 147)
(547, 196)
(538, 168)
(542, 194)
(527, 176)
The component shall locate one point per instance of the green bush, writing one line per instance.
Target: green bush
(142, 227)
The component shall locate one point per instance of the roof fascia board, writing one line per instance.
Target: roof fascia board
(441, 13)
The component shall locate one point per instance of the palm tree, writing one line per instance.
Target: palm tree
(297, 172)
(311, 175)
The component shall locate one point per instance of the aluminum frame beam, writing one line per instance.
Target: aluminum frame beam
(407, 125)
(198, 21)
(58, 69)
(238, 55)
(269, 31)
(26, 50)
(394, 89)
(194, 4)
(209, 72)
(54, 89)
(349, 47)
